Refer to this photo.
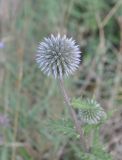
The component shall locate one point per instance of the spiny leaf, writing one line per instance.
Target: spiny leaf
(62, 126)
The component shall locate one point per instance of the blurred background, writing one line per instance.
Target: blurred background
(28, 98)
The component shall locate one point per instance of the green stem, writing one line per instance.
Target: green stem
(73, 115)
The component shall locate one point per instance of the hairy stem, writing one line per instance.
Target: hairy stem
(73, 115)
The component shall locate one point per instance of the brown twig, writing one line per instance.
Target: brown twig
(101, 50)
(117, 78)
(111, 13)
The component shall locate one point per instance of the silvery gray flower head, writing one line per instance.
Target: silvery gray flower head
(58, 56)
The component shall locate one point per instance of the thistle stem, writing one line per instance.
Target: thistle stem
(73, 115)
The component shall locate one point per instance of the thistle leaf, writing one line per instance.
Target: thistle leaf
(63, 127)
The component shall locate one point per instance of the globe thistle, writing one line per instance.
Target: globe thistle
(58, 56)
(89, 111)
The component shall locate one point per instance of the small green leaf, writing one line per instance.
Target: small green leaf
(62, 126)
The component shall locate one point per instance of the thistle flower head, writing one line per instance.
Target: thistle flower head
(93, 114)
(58, 56)
(89, 111)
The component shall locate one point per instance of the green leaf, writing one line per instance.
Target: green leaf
(63, 127)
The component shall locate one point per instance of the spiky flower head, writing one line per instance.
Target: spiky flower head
(89, 111)
(58, 56)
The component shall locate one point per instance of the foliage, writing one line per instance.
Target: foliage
(29, 98)
(65, 128)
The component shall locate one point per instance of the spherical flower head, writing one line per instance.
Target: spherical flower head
(92, 113)
(58, 56)
(89, 110)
